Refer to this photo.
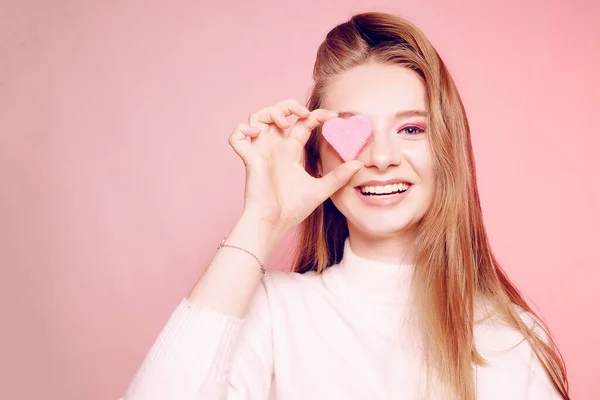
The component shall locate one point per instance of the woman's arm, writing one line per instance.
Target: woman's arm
(231, 278)
(224, 321)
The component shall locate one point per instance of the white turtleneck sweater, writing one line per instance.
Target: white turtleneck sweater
(341, 334)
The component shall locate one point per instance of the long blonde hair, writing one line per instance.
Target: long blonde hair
(454, 264)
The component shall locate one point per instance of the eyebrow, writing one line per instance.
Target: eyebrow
(398, 115)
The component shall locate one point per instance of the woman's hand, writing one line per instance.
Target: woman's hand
(279, 191)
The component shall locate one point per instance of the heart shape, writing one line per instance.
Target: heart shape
(347, 136)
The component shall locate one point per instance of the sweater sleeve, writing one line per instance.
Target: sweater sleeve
(204, 354)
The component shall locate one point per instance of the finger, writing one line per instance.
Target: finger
(287, 108)
(264, 118)
(240, 144)
(292, 106)
(279, 118)
(338, 177)
(303, 128)
(250, 131)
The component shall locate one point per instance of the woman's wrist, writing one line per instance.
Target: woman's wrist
(265, 228)
(256, 236)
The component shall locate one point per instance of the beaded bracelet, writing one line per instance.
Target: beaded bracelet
(262, 266)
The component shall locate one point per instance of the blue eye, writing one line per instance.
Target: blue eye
(411, 130)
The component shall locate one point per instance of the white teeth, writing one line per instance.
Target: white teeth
(386, 189)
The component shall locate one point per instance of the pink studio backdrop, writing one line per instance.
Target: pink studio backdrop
(117, 181)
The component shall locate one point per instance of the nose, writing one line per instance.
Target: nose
(380, 152)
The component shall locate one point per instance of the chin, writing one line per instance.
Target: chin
(380, 227)
(380, 221)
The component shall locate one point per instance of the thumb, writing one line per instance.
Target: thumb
(338, 177)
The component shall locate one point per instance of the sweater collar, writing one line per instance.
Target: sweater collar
(375, 280)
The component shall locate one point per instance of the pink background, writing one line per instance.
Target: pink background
(117, 181)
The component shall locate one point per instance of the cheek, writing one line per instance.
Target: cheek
(421, 161)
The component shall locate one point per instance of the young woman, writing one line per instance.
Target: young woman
(395, 292)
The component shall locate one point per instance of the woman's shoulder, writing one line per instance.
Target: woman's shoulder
(285, 295)
(286, 282)
(494, 333)
(302, 292)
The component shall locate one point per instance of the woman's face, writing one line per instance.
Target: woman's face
(393, 98)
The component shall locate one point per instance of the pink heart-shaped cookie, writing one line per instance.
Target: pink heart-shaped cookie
(347, 136)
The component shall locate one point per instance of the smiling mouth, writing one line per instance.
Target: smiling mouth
(386, 190)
